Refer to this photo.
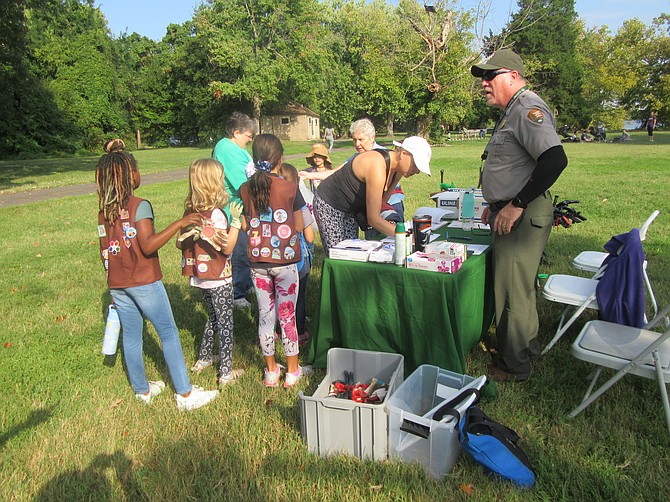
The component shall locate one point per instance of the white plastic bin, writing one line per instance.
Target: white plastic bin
(330, 425)
(413, 434)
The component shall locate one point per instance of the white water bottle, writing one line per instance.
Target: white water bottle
(112, 329)
(468, 210)
(400, 244)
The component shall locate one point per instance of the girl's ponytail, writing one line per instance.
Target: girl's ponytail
(267, 152)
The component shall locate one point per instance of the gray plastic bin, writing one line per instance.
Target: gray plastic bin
(413, 435)
(330, 425)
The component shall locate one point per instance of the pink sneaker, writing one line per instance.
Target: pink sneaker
(271, 378)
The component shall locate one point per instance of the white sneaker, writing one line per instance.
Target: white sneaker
(234, 375)
(290, 379)
(155, 388)
(241, 303)
(197, 398)
(271, 378)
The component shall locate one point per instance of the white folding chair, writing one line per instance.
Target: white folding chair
(640, 352)
(579, 294)
(590, 261)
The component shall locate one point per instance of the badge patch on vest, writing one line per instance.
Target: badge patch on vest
(202, 268)
(101, 231)
(536, 116)
(123, 214)
(284, 231)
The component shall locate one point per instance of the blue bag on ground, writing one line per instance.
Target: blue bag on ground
(495, 447)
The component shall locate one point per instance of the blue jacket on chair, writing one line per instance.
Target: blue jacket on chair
(620, 291)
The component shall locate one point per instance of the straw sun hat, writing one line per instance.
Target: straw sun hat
(321, 151)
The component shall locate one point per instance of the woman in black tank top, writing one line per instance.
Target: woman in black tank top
(362, 185)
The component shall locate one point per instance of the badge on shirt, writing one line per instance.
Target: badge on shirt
(123, 214)
(536, 116)
(101, 231)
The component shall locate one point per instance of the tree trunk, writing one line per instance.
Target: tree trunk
(422, 124)
(257, 111)
(138, 139)
(389, 124)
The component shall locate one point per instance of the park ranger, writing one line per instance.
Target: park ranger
(522, 160)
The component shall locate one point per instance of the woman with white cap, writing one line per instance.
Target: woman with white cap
(361, 186)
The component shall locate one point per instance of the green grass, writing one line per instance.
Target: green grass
(71, 429)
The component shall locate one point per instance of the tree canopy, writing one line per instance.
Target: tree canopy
(68, 84)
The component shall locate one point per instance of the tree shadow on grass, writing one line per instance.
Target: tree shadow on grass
(12, 170)
(35, 418)
(92, 483)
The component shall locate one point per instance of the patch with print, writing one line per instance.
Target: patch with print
(276, 255)
(204, 257)
(101, 231)
(536, 116)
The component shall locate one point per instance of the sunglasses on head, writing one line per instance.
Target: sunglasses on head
(491, 74)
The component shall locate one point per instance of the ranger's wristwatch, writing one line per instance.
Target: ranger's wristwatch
(516, 202)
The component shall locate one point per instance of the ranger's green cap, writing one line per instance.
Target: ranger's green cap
(503, 58)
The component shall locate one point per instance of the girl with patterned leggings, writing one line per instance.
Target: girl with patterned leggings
(272, 219)
(208, 265)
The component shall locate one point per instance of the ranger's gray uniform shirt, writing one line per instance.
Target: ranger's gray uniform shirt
(526, 131)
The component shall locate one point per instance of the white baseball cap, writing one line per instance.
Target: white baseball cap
(420, 150)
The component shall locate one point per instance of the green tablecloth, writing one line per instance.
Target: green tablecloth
(428, 317)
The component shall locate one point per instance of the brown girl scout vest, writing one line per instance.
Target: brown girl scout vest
(121, 255)
(272, 235)
(201, 260)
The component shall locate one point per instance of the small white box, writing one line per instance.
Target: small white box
(446, 249)
(383, 254)
(423, 261)
(353, 250)
(449, 199)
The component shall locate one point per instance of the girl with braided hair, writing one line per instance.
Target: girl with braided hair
(129, 250)
(272, 219)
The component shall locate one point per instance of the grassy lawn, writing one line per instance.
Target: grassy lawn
(70, 427)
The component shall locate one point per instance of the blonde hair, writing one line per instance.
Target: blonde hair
(289, 173)
(205, 186)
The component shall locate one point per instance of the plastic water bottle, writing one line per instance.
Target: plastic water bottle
(468, 210)
(400, 244)
(112, 329)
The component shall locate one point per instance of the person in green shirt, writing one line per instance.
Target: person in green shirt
(232, 153)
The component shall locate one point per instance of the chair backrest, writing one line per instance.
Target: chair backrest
(645, 225)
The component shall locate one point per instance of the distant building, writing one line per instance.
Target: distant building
(292, 123)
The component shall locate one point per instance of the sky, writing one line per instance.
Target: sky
(151, 17)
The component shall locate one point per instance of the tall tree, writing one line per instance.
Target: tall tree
(544, 33)
(74, 56)
(30, 122)
(437, 63)
(257, 48)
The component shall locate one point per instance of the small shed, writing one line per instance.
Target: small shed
(294, 122)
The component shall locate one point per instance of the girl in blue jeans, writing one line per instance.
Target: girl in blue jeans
(129, 250)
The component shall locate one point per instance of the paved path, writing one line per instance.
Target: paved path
(17, 199)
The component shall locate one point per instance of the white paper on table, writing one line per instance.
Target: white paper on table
(477, 248)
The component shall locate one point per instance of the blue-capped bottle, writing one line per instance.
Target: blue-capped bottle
(468, 210)
(112, 329)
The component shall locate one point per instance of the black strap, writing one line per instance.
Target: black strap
(448, 408)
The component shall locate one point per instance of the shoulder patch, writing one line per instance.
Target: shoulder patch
(535, 115)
